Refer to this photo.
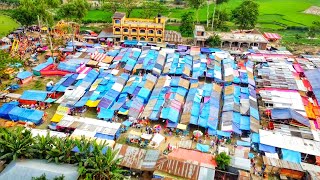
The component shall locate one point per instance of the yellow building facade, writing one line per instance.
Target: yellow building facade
(150, 30)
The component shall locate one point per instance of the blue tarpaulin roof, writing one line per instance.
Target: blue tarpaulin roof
(255, 138)
(106, 113)
(131, 43)
(292, 156)
(23, 114)
(24, 75)
(267, 148)
(6, 108)
(243, 143)
(223, 133)
(43, 65)
(202, 147)
(313, 77)
(287, 113)
(34, 95)
(127, 123)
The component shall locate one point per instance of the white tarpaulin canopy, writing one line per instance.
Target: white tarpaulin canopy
(158, 138)
(289, 142)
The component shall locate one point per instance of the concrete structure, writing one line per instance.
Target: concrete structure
(150, 30)
(243, 40)
(200, 35)
(231, 40)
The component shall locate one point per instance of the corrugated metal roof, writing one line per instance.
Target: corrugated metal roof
(136, 158)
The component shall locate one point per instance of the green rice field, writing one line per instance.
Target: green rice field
(274, 14)
(7, 24)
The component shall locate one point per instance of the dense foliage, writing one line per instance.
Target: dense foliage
(214, 41)
(95, 161)
(187, 26)
(223, 160)
(246, 15)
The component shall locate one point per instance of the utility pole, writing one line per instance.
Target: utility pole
(49, 35)
(214, 11)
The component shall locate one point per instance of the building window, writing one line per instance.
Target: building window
(133, 30)
(125, 38)
(125, 30)
(159, 39)
(117, 29)
(151, 31)
(117, 21)
(134, 38)
(142, 31)
(151, 39)
(159, 32)
(142, 39)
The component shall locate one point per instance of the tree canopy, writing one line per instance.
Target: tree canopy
(223, 160)
(196, 4)
(214, 41)
(74, 9)
(246, 15)
(152, 8)
(92, 162)
(186, 27)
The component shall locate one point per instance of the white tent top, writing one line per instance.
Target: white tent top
(289, 142)
(157, 138)
(36, 132)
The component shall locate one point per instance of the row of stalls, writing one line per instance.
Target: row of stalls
(289, 109)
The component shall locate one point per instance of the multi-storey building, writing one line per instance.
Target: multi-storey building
(150, 30)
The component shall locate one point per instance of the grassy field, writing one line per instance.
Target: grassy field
(7, 24)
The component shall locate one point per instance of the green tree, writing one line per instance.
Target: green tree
(246, 15)
(41, 145)
(111, 5)
(15, 144)
(186, 27)
(101, 166)
(61, 151)
(223, 160)
(221, 17)
(221, 1)
(196, 4)
(44, 177)
(152, 9)
(214, 41)
(314, 29)
(129, 5)
(74, 10)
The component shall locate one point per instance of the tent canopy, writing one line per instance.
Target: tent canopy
(24, 75)
(202, 147)
(34, 95)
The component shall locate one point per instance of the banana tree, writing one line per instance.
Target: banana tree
(15, 143)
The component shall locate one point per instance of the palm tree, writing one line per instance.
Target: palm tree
(15, 143)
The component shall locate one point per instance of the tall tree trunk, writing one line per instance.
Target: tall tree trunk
(214, 11)
(197, 14)
(207, 14)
